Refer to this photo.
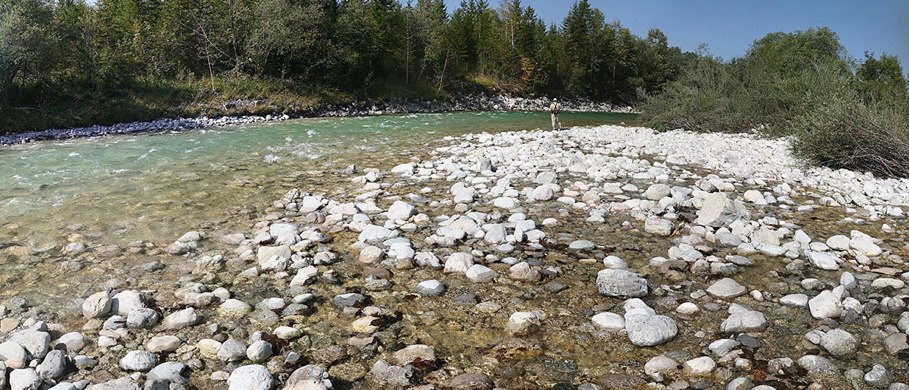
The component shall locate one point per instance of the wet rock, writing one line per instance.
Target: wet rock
(744, 321)
(878, 377)
(658, 226)
(138, 361)
(411, 353)
(235, 307)
(349, 300)
(479, 273)
(471, 381)
(794, 300)
(251, 377)
(726, 288)
(699, 366)
(839, 343)
(896, 343)
(647, 330)
(817, 365)
(376, 234)
(609, 322)
(581, 245)
(430, 288)
(718, 211)
(309, 377)
(521, 322)
(390, 375)
(617, 381)
(621, 283)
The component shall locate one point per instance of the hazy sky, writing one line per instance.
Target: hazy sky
(728, 27)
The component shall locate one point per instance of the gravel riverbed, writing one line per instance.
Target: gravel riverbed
(587, 258)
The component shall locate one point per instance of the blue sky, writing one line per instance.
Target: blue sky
(728, 27)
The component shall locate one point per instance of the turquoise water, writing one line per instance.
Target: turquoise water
(151, 188)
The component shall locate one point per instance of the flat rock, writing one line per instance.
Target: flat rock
(824, 260)
(726, 288)
(621, 283)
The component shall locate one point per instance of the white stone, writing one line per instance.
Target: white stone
(609, 322)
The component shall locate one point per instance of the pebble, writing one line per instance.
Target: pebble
(609, 322)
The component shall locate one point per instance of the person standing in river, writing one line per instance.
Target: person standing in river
(554, 109)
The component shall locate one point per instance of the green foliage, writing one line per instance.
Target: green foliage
(882, 79)
(840, 129)
(798, 84)
(55, 53)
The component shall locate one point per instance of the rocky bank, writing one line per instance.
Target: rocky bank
(588, 258)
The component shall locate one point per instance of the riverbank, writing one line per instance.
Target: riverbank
(604, 257)
(480, 102)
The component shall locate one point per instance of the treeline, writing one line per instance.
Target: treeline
(840, 112)
(72, 51)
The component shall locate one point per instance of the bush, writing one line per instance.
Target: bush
(843, 131)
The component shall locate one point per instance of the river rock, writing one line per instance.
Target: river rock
(259, 351)
(648, 330)
(124, 383)
(414, 352)
(53, 365)
(36, 343)
(621, 283)
(72, 342)
(138, 361)
(430, 288)
(165, 374)
(235, 307)
(24, 379)
(97, 305)
(371, 254)
(142, 318)
(479, 273)
(657, 191)
(376, 234)
(519, 323)
(660, 365)
(744, 321)
(401, 210)
(839, 343)
(349, 300)
(609, 322)
(825, 305)
(726, 288)
(458, 263)
(878, 377)
(718, 211)
(541, 193)
(824, 260)
(471, 381)
(127, 301)
(14, 355)
(181, 319)
(390, 375)
(251, 377)
(163, 344)
(581, 245)
(523, 271)
(816, 365)
(231, 350)
(699, 366)
(658, 226)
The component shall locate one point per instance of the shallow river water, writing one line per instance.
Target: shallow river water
(138, 190)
